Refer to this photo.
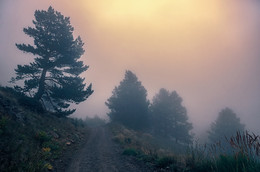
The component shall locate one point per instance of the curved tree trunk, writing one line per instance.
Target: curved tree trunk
(41, 88)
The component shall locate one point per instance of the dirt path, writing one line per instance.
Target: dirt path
(101, 154)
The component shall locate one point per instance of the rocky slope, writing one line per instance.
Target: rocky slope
(32, 140)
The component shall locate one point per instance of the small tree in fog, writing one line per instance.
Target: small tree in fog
(53, 77)
(169, 117)
(226, 125)
(128, 104)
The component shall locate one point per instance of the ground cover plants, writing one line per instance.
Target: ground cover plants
(242, 154)
(32, 140)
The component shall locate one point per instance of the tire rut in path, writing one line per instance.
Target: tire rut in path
(101, 154)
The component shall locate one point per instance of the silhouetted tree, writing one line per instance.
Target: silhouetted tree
(169, 117)
(128, 104)
(226, 125)
(53, 77)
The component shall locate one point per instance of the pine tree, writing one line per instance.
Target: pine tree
(128, 104)
(225, 126)
(53, 77)
(169, 117)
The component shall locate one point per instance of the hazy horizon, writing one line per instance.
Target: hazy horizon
(205, 50)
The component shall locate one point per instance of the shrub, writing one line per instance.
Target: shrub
(30, 103)
(165, 162)
(22, 99)
(236, 163)
(3, 123)
(130, 151)
(42, 136)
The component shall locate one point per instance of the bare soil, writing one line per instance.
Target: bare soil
(101, 154)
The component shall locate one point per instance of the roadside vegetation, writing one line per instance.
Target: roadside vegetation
(243, 156)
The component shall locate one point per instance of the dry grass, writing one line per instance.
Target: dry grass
(246, 144)
(243, 156)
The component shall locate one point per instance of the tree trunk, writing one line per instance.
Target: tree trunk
(41, 88)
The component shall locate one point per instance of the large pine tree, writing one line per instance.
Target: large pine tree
(53, 77)
(169, 117)
(128, 104)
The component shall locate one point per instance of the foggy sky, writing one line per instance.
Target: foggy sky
(208, 51)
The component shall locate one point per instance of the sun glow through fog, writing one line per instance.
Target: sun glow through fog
(206, 50)
(186, 25)
(159, 11)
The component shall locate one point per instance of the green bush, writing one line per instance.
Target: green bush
(236, 163)
(30, 103)
(227, 163)
(22, 99)
(148, 158)
(42, 136)
(130, 151)
(165, 162)
(3, 123)
(52, 145)
(204, 166)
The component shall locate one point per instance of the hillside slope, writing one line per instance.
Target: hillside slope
(33, 140)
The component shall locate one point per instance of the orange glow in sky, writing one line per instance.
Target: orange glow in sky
(125, 10)
(206, 50)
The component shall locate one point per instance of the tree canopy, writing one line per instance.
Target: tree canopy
(128, 104)
(54, 76)
(225, 126)
(169, 117)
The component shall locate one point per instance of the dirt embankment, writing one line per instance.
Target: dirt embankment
(101, 154)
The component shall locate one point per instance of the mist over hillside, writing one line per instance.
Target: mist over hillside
(208, 52)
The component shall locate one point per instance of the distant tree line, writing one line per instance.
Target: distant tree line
(165, 116)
